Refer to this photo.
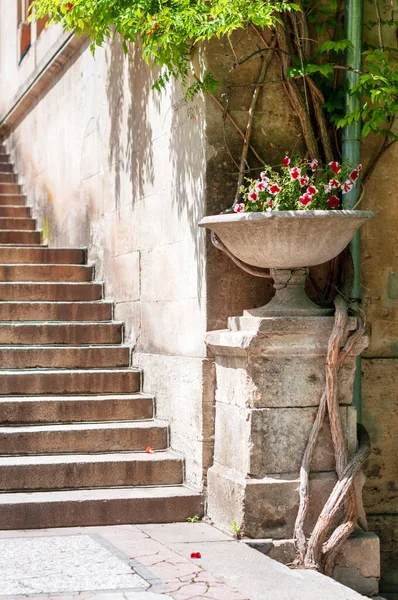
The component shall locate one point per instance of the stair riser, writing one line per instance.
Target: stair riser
(56, 311)
(46, 273)
(7, 177)
(82, 441)
(20, 237)
(71, 334)
(64, 358)
(5, 166)
(18, 224)
(12, 200)
(51, 292)
(10, 188)
(77, 411)
(69, 382)
(91, 475)
(99, 512)
(41, 256)
(19, 212)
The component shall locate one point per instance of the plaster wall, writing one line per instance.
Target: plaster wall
(108, 164)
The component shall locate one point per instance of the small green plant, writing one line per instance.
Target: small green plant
(193, 519)
(236, 530)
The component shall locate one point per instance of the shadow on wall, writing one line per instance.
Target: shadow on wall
(187, 146)
(135, 156)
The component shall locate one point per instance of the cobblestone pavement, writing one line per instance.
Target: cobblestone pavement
(107, 563)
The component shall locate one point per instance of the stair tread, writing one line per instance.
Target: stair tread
(70, 371)
(75, 283)
(60, 459)
(51, 302)
(52, 427)
(120, 493)
(80, 398)
(58, 323)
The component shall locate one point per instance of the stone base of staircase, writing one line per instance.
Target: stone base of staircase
(74, 425)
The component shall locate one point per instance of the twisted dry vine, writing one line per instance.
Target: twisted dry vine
(316, 554)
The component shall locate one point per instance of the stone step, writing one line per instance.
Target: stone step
(45, 273)
(17, 211)
(64, 357)
(60, 333)
(5, 166)
(48, 292)
(15, 224)
(22, 237)
(103, 506)
(68, 409)
(71, 471)
(77, 438)
(12, 199)
(10, 188)
(73, 381)
(56, 311)
(5, 177)
(40, 255)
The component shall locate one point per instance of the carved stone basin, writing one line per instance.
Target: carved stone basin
(287, 242)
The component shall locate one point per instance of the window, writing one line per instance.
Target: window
(28, 32)
(24, 28)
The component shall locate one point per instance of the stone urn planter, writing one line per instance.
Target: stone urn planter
(287, 243)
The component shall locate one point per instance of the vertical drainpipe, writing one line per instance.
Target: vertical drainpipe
(352, 150)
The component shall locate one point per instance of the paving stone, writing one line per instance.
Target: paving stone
(59, 564)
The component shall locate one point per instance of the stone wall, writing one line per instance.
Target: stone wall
(380, 364)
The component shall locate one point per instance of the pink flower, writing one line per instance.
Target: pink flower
(305, 199)
(253, 196)
(327, 189)
(314, 164)
(334, 183)
(295, 173)
(269, 200)
(286, 162)
(239, 207)
(264, 178)
(354, 175)
(347, 186)
(333, 202)
(311, 189)
(359, 167)
(334, 165)
(260, 186)
(274, 189)
(196, 555)
(304, 179)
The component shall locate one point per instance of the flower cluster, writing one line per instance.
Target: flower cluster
(300, 184)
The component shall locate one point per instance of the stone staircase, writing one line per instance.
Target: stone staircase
(74, 425)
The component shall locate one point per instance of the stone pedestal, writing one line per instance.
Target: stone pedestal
(270, 377)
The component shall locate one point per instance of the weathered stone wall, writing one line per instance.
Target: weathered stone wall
(380, 364)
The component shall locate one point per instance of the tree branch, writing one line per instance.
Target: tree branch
(252, 109)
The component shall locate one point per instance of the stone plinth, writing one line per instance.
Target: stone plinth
(270, 377)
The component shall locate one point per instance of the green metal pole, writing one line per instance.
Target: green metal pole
(352, 151)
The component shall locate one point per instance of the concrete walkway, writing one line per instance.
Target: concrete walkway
(149, 562)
